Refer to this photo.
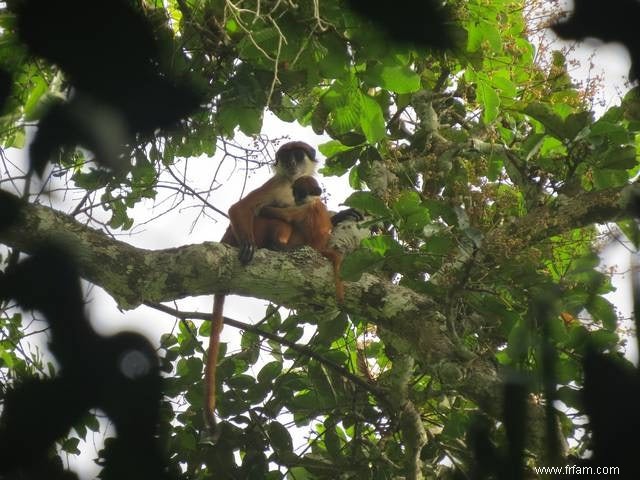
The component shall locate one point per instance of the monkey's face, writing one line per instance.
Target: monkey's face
(306, 189)
(295, 159)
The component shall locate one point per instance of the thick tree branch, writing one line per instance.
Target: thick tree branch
(563, 215)
(511, 239)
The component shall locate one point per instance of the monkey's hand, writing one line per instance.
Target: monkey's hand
(348, 214)
(247, 249)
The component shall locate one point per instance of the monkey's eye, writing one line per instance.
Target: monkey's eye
(283, 157)
(298, 155)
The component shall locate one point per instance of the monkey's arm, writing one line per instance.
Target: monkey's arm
(348, 214)
(286, 214)
(242, 214)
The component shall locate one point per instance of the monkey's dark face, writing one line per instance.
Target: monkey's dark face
(295, 159)
(306, 189)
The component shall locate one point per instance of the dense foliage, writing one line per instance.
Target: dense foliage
(483, 171)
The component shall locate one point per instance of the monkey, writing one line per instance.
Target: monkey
(285, 228)
(293, 160)
(278, 228)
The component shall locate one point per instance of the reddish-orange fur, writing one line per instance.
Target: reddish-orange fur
(311, 225)
(276, 192)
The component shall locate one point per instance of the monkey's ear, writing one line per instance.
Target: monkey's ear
(314, 188)
(312, 153)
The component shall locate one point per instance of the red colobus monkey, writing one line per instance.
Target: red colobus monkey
(293, 160)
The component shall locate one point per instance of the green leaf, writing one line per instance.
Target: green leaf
(92, 180)
(496, 164)
(31, 110)
(333, 147)
(603, 130)
(92, 423)
(474, 37)
(552, 146)
(335, 61)
(341, 162)
(494, 310)
(578, 337)
(248, 340)
(518, 345)
(532, 145)
(547, 117)
(368, 202)
(371, 120)
(490, 102)
(119, 217)
(299, 473)
(407, 203)
(319, 118)
(81, 429)
(572, 397)
(603, 311)
(294, 334)
(603, 340)
(250, 120)
(396, 78)
(607, 178)
(186, 441)
(631, 231)
(266, 39)
(557, 329)
(344, 119)
(438, 246)
(618, 158)
(332, 440)
(414, 215)
(16, 139)
(505, 84)
(70, 445)
(358, 262)
(241, 381)
(567, 370)
(332, 329)
(575, 123)
(280, 438)
(269, 372)
(380, 244)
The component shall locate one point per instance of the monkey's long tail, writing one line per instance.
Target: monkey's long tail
(337, 263)
(217, 322)
(336, 260)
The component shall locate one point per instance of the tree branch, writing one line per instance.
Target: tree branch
(561, 216)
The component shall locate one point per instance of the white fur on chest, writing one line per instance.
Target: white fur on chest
(281, 195)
